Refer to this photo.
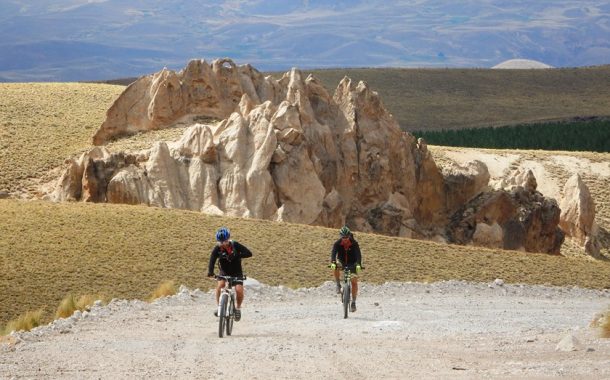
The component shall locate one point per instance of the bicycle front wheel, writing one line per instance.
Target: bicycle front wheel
(347, 292)
(230, 316)
(223, 312)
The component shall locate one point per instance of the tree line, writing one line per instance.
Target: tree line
(586, 135)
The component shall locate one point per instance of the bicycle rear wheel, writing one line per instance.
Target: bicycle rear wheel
(347, 292)
(223, 312)
(230, 316)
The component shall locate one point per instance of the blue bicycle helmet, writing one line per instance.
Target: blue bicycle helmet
(223, 234)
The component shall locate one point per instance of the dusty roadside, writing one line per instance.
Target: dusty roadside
(442, 330)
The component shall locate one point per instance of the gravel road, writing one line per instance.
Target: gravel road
(401, 330)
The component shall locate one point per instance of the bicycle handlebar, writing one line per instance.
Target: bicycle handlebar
(350, 267)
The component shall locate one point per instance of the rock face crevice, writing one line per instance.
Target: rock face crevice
(288, 150)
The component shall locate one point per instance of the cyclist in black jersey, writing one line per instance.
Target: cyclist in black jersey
(347, 251)
(229, 254)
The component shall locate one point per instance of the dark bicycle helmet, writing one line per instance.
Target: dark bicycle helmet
(345, 232)
(223, 234)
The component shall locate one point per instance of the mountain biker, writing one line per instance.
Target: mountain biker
(229, 254)
(347, 251)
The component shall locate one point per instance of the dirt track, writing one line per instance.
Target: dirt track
(443, 330)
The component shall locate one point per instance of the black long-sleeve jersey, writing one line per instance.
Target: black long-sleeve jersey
(229, 259)
(347, 253)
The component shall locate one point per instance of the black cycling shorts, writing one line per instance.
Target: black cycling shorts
(236, 282)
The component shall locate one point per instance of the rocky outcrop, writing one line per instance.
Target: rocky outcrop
(206, 90)
(287, 150)
(518, 177)
(462, 183)
(522, 219)
(578, 215)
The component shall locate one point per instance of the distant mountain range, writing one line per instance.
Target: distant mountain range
(71, 40)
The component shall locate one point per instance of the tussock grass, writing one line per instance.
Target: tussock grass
(70, 304)
(124, 251)
(605, 325)
(25, 322)
(66, 307)
(166, 288)
(86, 301)
(601, 322)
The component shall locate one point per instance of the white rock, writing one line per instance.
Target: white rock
(568, 343)
(252, 283)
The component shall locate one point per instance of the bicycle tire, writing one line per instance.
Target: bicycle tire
(230, 316)
(223, 313)
(347, 292)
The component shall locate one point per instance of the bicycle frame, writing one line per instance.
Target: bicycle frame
(226, 305)
(346, 294)
(347, 290)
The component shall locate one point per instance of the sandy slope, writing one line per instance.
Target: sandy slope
(443, 330)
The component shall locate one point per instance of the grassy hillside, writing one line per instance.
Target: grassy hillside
(49, 250)
(42, 124)
(423, 99)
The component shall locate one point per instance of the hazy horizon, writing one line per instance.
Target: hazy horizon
(69, 40)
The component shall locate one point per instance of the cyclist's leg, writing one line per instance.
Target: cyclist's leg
(337, 280)
(239, 290)
(219, 285)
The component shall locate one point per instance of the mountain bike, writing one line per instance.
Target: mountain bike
(346, 293)
(226, 305)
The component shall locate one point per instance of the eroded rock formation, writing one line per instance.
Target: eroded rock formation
(521, 219)
(289, 151)
(578, 215)
(209, 90)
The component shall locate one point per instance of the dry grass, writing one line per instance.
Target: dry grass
(66, 307)
(165, 289)
(124, 251)
(605, 325)
(145, 140)
(42, 124)
(70, 304)
(25, 322)
(601, 322)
